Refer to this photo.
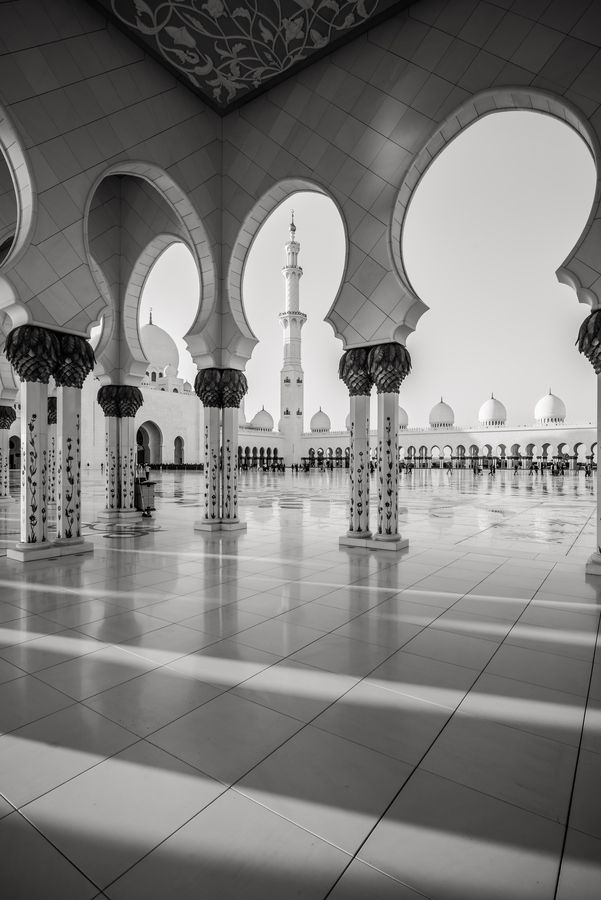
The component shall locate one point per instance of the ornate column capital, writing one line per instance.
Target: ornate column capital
(33, 352)
(52, 410)
(207, 385)
(76, 361)
(354, 371)
(589, 339)
(233, 387)
(7, 416)
(389, 365)
(120, 400)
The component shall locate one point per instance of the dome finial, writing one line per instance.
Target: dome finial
(150, 318)
(292, 225)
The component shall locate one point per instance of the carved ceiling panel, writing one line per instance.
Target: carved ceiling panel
(230, 50)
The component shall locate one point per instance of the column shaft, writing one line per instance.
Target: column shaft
(127, 463)
(111, 446)
(388, 469)
(212, 513)
(4, 464)
(229, 471)
(359, 467)
(34, 462)
(68, 464)
(52, 449)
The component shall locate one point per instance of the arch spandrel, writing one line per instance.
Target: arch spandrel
(134, 213)
(581, 270)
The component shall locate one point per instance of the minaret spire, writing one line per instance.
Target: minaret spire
(292, 376)
(150, 319)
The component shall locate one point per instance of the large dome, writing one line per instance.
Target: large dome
(549, 409)
(263, 421)
(441, 415)
(159, 348)
(403, 418)
(492, 412)
(320, 421)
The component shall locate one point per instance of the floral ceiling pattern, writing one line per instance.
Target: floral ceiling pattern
(229, 49)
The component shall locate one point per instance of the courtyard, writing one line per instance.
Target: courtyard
(269, 715)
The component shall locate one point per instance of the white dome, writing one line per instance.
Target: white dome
(441, 415)
(492, 412)
(187, 386)
(347, 422)
(549, 409)
(159, 348)
(320, 421)
(403, 418)
(262, 420)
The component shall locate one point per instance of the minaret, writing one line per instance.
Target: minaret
(291, 376)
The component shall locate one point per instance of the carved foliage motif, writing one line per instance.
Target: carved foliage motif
(354, 371)
(589, 340)
(387, 496)
(389, 365)
(120, 400)
(227, 48)
(33, 352)
(233, 387)
(52, 410)
(7, 416)
(76, 361)
(207, 385)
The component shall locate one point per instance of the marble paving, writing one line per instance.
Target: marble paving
(271, 716)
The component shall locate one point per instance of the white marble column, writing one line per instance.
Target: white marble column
(68, 470)
(593, 565)
(120, 404)
(229, 471)
(34, 470)
(7, 417)
(388, 471)
(359, 468)
(211, 520)
(52, 449)
(5, 497)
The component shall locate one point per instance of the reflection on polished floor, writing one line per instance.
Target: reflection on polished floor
(269, 716)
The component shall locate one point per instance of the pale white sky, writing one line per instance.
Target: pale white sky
(493, 218)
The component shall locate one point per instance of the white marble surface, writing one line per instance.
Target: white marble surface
(185, 715)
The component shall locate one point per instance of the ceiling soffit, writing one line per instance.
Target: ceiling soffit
(228, 51)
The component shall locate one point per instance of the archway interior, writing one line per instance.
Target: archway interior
(8, 209)
(320, 232)
(171, 293)
(150, 444)
(493, 217)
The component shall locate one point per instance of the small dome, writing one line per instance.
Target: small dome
(441, 415)
(320, 421)
(347, 422)
(492, 412)
(170, 371)
(187, 386)
(263, 421)
(403, 418)
(159, 347)
(549, 409)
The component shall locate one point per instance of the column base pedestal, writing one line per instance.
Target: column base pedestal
(374, 543)
(201, 525)
(49, 550)
(593, 564)
(390, 542)
(126, 516)
(73, 546)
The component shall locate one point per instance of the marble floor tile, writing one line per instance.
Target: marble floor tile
(37, 758)
(334, 788)
(451, 842)
(387, 721)
(342, 655)
(23, 700)
(458, 649)
(295, 689)
(560, 673)
(226, 737)
(95, 672)
(266, 856)
(32, 868)
(107, 818)
(360, 881)
(585, 814)
(580, 874)
(512, 765)
(224, 664)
